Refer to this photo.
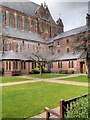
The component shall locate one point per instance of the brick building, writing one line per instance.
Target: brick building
(30, 27)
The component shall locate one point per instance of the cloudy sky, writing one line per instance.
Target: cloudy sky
(73, 14)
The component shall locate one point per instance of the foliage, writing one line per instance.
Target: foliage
(36, 70)
(78, 109)
(1, 71)
(44, 70)
(27, 100)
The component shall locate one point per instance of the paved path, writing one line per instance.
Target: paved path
(54, 80)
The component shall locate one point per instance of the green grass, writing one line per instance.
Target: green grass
(48, 75)
(26, 100)
(80, 78)
(12, 79)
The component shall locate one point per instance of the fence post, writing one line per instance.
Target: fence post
(47, 115)
(61, 109)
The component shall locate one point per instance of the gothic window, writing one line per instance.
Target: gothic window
(59, 64)
(41, 27)
(3, 17)
(11, 20)
(46, 28)
(32, 25)
(26, 24)
(18, 22)
(17, 47)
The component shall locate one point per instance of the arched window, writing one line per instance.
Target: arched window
(19, 22)
(11, 20)
(68, 50)
(67, 40)
(32, 25)
(26, 24)
(3, 17)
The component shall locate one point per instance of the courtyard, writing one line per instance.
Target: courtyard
(26, 100)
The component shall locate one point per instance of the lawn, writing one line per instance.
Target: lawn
(12, 79)
(48, 75)
(27, 100)
(80, 78)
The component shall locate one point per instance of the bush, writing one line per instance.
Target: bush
(1, 71)
(44, 70)
(36, 70)
(78, 109)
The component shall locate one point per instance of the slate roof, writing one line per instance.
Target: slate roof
(67, 56)
(68, 33)
(13, 56)
(27, 35)
(27, 7)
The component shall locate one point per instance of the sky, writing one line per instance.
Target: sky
(73, 14)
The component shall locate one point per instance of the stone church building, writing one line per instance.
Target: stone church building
(26, 27)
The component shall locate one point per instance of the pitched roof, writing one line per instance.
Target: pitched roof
(13, 56)
(67, 56)
(21, 34)
(68, 33)
(26, 7)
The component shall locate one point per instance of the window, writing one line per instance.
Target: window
(18, 22)
(58, 43)
(68, 50)
(11, 20)
(3, 17)
(26, 24)
(51, 65)
(41, 27)
(59, 64)
(8, 65)
(33, 65)
(71, 64)
(15, 65)
(23, 65)
(32, 25)
(17, 47)
(67, 40)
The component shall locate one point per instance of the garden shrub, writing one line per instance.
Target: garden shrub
(1, 71)
(44, 70)
(36, 70)
(79, 109)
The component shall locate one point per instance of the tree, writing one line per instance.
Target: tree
(81, 42)
(40, 58)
